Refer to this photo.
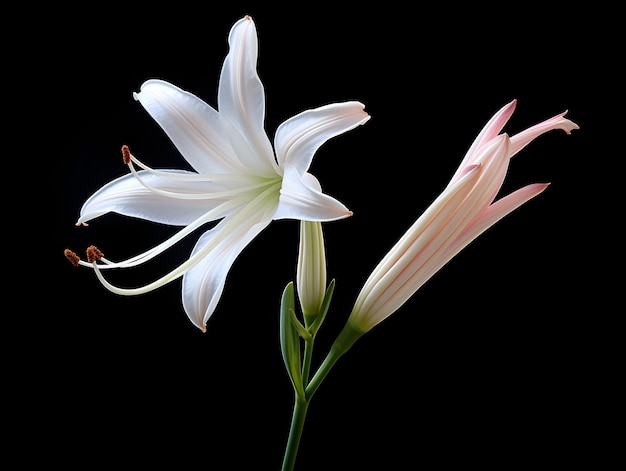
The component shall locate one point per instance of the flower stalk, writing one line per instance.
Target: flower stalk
(297, 339)
(301, 406)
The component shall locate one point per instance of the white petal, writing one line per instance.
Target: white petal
(203, 284)
(255, 163)
(298, 138)
(301, 198)
(195, 128)
(125, 195)
(241, 97)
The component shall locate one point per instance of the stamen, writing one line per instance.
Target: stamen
(93, 254)
(72, 257)
(228, 226)
(125, 154)
(216, 213)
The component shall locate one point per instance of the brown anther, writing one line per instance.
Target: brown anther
(72, 257)
(125, 154)
(93, 254)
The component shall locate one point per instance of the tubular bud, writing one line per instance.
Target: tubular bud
(311, 273)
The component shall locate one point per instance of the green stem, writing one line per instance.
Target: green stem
(306, 362)
(300, 408)
(295, 433)
(335, 353)
(344, 341)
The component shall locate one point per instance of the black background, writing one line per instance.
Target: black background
(499, 360)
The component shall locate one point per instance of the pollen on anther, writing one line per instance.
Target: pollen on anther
(125, 154)
(72, 257)
(93, 254)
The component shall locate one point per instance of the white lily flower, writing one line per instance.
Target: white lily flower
(239, 179)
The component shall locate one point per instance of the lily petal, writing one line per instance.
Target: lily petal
(126, 195)
(203, 284)
(400, 268)
(495, 157)
(302, 198)
(241, 96)
(195, 128)
(522, 139)
(489, 217)
(494, 212)
(489, 131)
(298, 138)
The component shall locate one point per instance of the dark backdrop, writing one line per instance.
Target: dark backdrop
(495, 362)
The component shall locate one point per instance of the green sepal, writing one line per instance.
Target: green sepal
(290, 339)
(302, 332)
(315, 325)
